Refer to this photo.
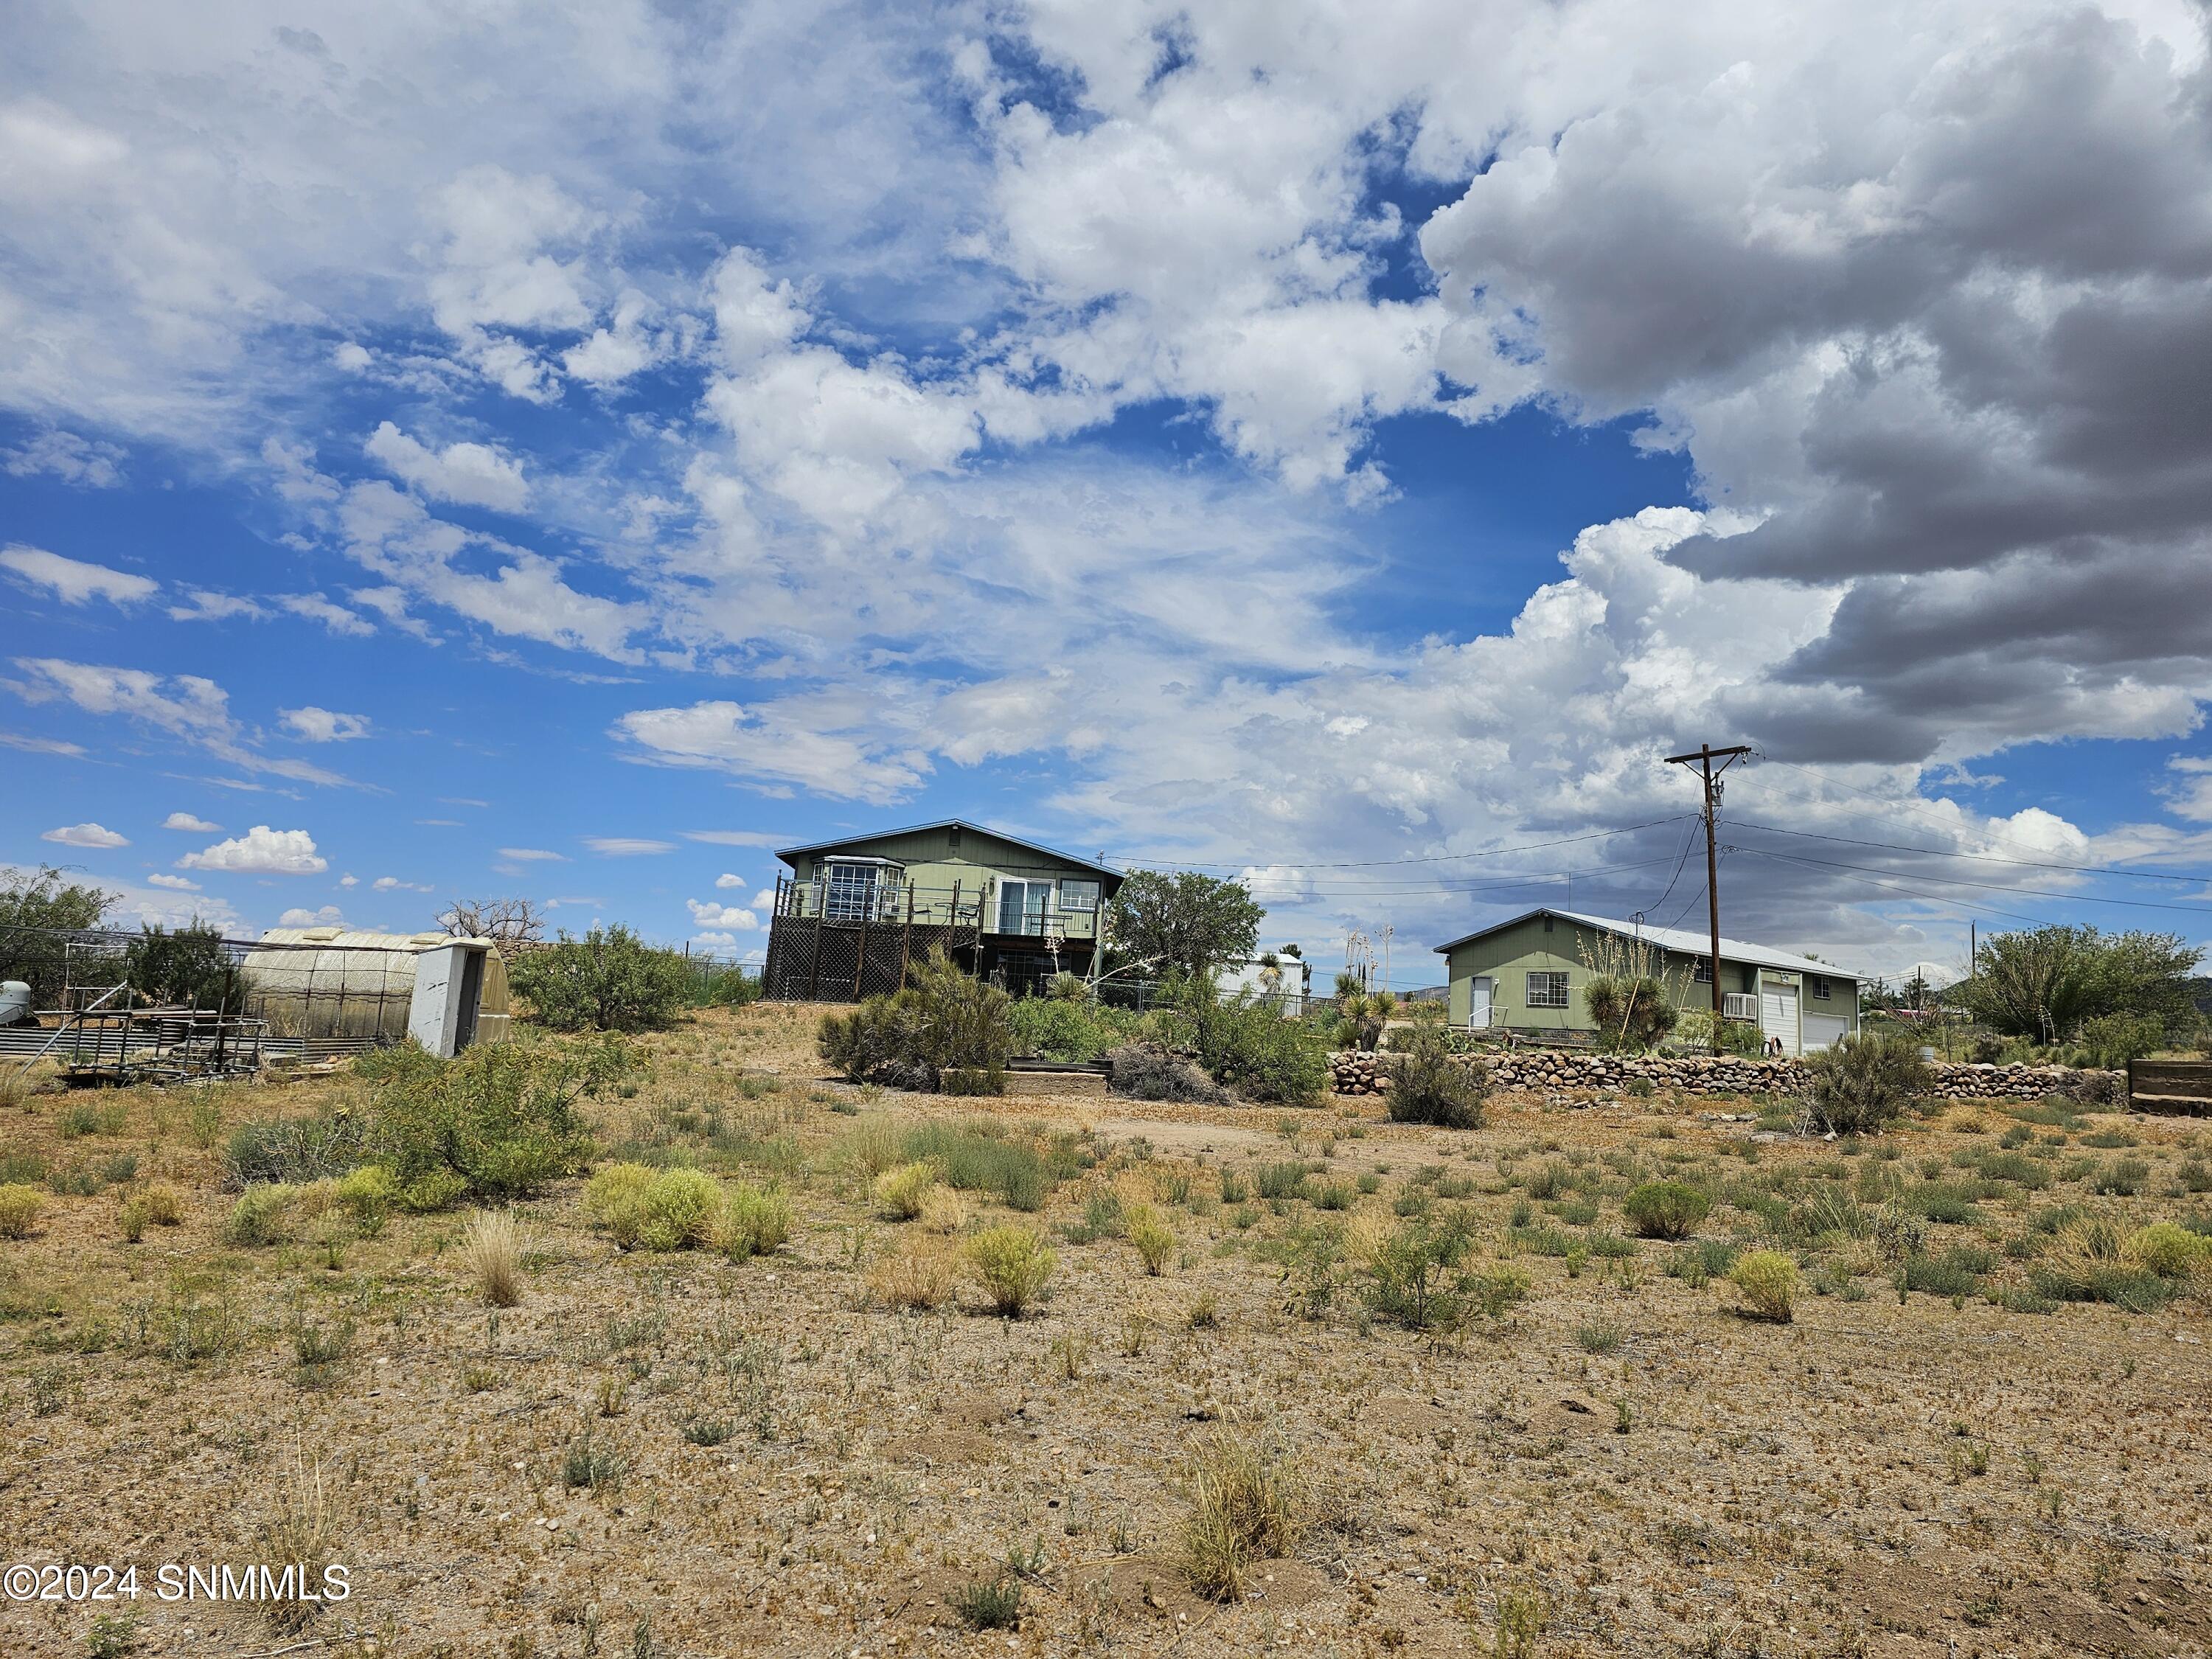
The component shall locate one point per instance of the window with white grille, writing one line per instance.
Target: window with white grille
(1547, 990)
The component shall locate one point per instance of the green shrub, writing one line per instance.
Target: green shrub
(1011, 1265)
(2111, 1041)
(1860, 1083)
(1665, 1209)
(754, 1220)
(1955, 1273)
(190, 965)
(1065, 1029)
(1767, 1281)
(1429, 1085)
(1246, 1044)
(992, 1603)
(367, 1193)
(1419, 1279)
(297, 1149)
(501, 1119)
(901, 1193)
(2166, 1249)
(1154, 1239)
(942, 1020)
(262, 1215)
(1285, 1180)
(19, 1209)
(977, 1157)
(608, 980)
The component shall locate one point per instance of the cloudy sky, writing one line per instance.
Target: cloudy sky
(572, 450)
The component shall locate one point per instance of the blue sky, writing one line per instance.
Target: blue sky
(1345, 450)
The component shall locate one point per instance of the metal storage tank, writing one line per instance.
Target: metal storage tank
(444, 992)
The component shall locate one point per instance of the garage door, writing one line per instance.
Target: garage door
(1778, 1015)
(1822, 1030)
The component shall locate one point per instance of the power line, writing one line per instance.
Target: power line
(1998, 887)
(1986, 858)
(1445, 886)
(1892, 887)
(1372, 864)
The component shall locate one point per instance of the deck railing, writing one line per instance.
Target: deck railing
(984, 907)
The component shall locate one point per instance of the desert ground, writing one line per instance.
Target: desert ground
(678, 1454)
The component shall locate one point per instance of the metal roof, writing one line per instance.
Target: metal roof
(1673, 938)
(1115, 876)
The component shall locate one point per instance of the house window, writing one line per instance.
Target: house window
(952, 837)
(1081, 897)
(1547, 990)
(1819, 987)
(1702, 973)
(852, 891)
(1022, 906)
(1547, 923)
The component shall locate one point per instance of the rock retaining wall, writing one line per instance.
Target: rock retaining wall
(1361, 1074)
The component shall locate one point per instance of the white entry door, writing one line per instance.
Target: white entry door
(1778, 1015)
(1478, 1002)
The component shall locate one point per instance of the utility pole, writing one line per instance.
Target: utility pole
(1704, 759)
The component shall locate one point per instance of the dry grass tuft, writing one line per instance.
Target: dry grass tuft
(302, 1530)
(19, 1209)
(944, 1210)
(1244, 1507)
(1011, 1264)
(492, 1250)
(921, 1276)
(1767, 1281)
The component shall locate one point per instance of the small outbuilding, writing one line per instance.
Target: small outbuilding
(320, 982)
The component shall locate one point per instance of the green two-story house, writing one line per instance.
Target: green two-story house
(852, 914)
(1526, 975)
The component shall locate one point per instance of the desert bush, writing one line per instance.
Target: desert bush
(18, 1209)
(1011, 1265)
(944, 1210)
(1280, 1180)
(491, 1250)
(130, 1220)
(657, 1210)
(922, 1275)
(979, 1155)
(753, 1221)
(1148, 1071)
(1245, 1043)
(1245, 1506)
(901, 1193)
(262, 1215)
(1153, 1238)
(1665, 1209)
(1767, 1281)
(1428, 1086)
(1631, 1013)
(1419, 1278)
(1054, 1027)
(992, 1603)
(942, 1020)
(2168, 1249)
(502, 1119)
(2112, 1040)
(1361, 1014)
(1863, 1082)
(295, 1149)
(367, 1194)
(189, 965)
(608, 980)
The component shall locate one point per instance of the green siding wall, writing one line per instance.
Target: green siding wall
(1511, 954)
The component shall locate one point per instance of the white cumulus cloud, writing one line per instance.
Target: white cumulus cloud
(84, 835)
(315, 725)
(72, 580)
(189, 821)
(466, 474)
(261, 851)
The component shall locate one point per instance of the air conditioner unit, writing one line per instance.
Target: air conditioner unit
(1739, 1005)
